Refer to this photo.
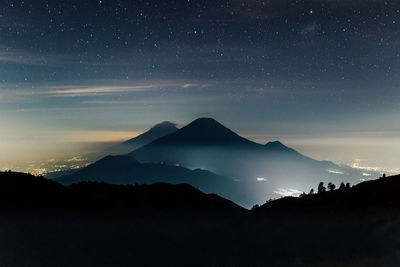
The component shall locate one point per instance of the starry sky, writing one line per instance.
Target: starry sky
(321, 75)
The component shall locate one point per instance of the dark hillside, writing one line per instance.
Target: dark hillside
(21, 191)
(97, 224)
(380, 195)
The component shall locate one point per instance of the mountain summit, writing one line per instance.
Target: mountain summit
(156, 132)
(165, 124)
(278, 146)
(261, 170)
(203, 131)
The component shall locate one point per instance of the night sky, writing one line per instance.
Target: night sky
(322, 76)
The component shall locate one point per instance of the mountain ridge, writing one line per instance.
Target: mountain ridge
(203, 131)
(263, 169)
(157, 131)
(124, 170)
(20, 191)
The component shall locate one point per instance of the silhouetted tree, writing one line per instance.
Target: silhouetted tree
(312, 191)
(348, 186)
(342, 186)
(303, 194)
(384, 175)
(321, 187)
(256, 206)
(331, 186)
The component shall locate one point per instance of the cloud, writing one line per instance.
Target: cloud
(76, 159)
(288, 192)
(335, 172)
(9, 55)
(70, 91)
(12, 91)
(101, 90)
(189, 85)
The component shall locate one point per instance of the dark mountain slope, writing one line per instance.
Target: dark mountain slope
(264, 169)
(206, 142)
(204, 131)
(279, 147)
(156, 132)
(22, 191)
(126, 170)
(159, 130)
(168, 225)
(381, 195)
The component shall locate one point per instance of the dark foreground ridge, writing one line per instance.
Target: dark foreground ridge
(24, 191)
(375, 195)
(43, 223)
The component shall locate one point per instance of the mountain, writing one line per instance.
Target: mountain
(266, 171)
(157, 131)
(98, 224)
(125, 170)
(380, 195)
(204, 131)
(56, 174)
(20, 191)
(279, 147)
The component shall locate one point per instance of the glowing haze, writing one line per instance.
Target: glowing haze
(321, 76)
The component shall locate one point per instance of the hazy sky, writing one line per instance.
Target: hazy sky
(323, 76)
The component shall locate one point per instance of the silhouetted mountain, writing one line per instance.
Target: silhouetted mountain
(348, 227)
(25, 190)
(265, 171)
(124, 170)
(56, 174)
(278, 147)
(379, 195)
(176, 225)
(203, 131)
(19, 190)
(159, 130)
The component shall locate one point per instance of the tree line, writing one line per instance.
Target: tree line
(329, 187)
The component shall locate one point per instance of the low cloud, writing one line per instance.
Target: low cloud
(335, 172)
(288, 192)
(76, 159)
